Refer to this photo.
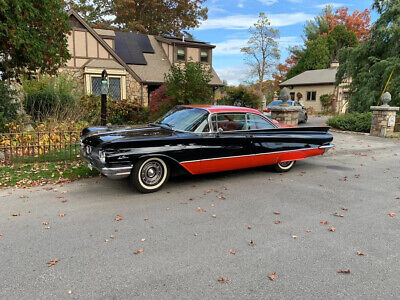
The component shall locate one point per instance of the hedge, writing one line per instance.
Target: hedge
(359, 122)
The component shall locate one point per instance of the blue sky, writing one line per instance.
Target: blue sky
(229, 20)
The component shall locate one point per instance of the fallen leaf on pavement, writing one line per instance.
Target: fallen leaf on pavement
(344, 208)
(138, 251)
(277, 213)
(52, 263)
(16, 215)
(184, 203)
(344, 271)
(118, 218)
(272, 276)
(397, 198)
(251, 243)
(360, 253)
(199, 209)
(62, 214)
(308, 230)
(231, 251)
(146, 219)
(223, 280)
(167, 208)
(221, 197)
(294, 236)
(277, 222)
(249, 227)
(63, 201)
(1, 235)
(112, 237)
(391, 214)
(69, 292)
(45, 223)
(214, 216)
(143, 239)
(332, 229)
(338, 215)
(324, 222)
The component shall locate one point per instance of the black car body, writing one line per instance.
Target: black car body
(198, 140)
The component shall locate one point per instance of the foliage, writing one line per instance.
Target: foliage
(262, 52)
(316, 56)
(33, 37)
(189, 84)
(44, 173)
(173, 17)
(327, 101)
(283, 69)
(319, 26)
(8, 106)
(242, 96)
(358, 22)
(322, 51)
(50, 97)
(359, 122)
(119, 112)
(160, 103)
(371, 63)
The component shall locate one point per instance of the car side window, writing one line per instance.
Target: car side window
(229, 122)
(257, 122)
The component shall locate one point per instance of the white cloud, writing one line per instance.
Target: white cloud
(334, 5)
(233, 46)
(268, 2)
(241, 22)
(295, 1)
(233, 75)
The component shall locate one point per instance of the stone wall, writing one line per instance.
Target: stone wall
(285, 115)
(383, 121)
(134, 91)
(78, 76)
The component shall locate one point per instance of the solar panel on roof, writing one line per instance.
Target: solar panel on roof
(131, 46)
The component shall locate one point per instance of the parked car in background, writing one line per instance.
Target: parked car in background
(303, 117)
(198, 140)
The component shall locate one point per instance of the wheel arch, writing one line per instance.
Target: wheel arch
(175, 167)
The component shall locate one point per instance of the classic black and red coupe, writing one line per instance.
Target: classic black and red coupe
(198, 140)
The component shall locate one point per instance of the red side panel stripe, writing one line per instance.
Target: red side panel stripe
(243, 162)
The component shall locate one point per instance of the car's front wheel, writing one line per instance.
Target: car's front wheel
(150, 174)
(284, 166)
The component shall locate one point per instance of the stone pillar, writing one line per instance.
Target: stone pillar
(285, 114)
(383, 118)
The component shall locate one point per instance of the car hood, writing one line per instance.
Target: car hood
(96, 136)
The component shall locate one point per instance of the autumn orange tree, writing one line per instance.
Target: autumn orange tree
(358, 22)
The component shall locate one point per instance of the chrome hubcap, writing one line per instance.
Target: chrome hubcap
(285, 164)
(152, 173)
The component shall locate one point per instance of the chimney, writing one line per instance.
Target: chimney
(183, 38)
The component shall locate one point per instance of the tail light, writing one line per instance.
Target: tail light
(267, 110)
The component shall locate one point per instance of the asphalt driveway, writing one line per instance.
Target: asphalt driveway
(198, 230)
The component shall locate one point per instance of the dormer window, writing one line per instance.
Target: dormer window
(204, 56)
(181, 54)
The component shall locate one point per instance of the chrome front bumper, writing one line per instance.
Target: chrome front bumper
(113, 173)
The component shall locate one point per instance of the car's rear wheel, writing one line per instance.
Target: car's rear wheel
(284, 166)
(150, 174)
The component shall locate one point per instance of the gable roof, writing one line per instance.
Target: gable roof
(104, 44)
(313, 77)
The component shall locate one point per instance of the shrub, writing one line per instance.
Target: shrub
(158, 99)
(8, 106)
(119, 112)
(359, 122)
(51, 97)
(327, 101)
(241, 96)
(189, 84)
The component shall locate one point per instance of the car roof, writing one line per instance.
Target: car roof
(224, 109)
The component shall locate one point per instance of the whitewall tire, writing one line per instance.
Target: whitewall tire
(150, 174)
(284, 166)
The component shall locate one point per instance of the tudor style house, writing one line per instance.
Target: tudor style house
(309, 86)
(135, 63)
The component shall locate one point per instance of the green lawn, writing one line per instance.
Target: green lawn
(36, 174)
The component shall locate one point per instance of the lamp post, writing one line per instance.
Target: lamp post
(104, 92)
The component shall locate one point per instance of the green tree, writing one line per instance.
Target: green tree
(340, 38)
(96, 12)
(319, 26)
(242, 95)
(189, 84)
(370, 64)
(33, 37)
(262, 52)
(8, 106)
(316, 56)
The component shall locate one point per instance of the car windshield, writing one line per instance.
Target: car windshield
(279, 102)
(184, 118)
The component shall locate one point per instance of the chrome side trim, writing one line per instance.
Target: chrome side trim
(248, 155)
(327, 146)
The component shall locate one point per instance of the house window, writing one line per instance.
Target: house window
(181, 54)
(311, 96)
(204, 56)
(96, 85)
(114, 87)
(292, 95)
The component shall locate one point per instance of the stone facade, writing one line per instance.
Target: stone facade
(383, 120)
(78, 77)
(286, 115)
(134, 91)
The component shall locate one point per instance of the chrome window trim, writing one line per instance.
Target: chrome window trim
(245, 130)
